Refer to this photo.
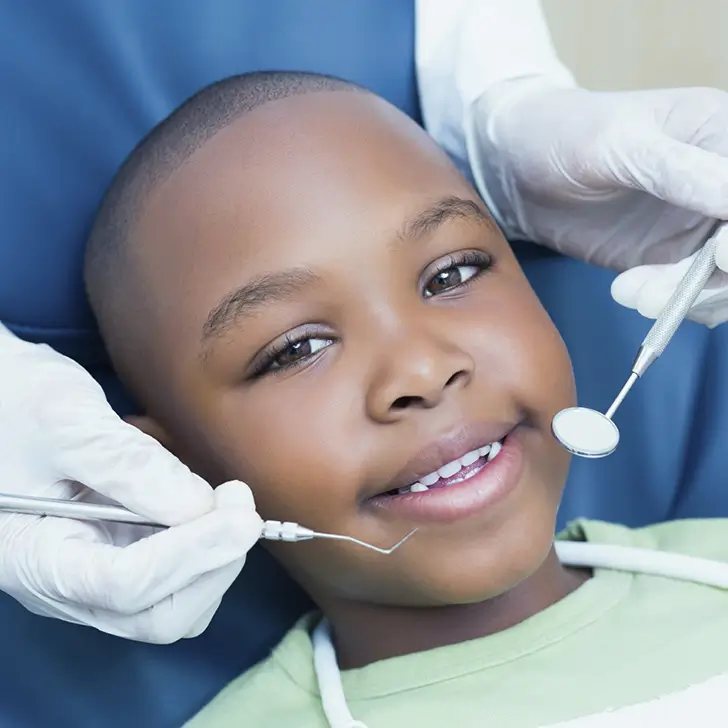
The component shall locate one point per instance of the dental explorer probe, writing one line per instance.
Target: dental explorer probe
(584, 431)
(81, 511)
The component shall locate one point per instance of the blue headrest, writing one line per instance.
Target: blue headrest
(82, 82)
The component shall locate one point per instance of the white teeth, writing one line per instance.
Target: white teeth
(469, 458)
(430, 479)
(494, 450)
(450, 469)
(446, 471)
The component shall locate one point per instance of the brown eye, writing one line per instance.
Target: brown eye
(293, 352)
(451, 277)
(297, 351)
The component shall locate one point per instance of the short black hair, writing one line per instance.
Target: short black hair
(108, 271)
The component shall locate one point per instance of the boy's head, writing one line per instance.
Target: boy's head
(305, 295)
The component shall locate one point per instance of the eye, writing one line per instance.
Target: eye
(297, 350)
(289, 353)
(456, 272)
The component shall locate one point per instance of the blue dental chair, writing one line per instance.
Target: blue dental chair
(82, 81)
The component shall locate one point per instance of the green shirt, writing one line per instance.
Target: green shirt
(625, 649)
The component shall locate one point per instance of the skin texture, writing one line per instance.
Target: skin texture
(394, 360)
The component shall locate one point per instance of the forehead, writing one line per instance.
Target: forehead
(291, 183)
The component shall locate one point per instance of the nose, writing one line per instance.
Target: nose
(415, 372)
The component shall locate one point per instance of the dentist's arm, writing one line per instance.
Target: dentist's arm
(60, 439)
(631, 180)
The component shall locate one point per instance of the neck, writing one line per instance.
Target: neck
(366, 633)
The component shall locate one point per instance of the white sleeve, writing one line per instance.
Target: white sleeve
(466, 47)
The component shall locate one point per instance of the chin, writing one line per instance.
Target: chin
(501, 559)
(475, 575)
(472, 590)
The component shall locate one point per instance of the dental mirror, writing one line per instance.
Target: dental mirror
(585, 432)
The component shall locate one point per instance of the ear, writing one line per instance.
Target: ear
(151, 427)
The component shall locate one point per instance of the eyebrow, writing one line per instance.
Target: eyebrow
(448, 208)
(252, 295)
(279, 286)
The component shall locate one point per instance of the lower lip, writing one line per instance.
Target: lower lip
(461, 500)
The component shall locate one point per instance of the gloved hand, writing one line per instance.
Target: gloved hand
(619, 179)
(647, 288)
(57, 432)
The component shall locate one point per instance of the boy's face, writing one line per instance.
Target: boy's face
(335, 318)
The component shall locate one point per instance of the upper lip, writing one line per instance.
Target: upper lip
(446, 449)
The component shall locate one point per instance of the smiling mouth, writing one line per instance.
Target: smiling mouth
(456, 471)
(476, 481)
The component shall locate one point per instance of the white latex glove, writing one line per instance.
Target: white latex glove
(619, 179)
(647, 288)
(58, 431)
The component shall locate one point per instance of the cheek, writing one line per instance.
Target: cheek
(303, 453)
(531, 352)
(295, 446)
(541, 377)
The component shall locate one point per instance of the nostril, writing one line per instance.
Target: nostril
(456, 377)
(405, 402)
(409, 400)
